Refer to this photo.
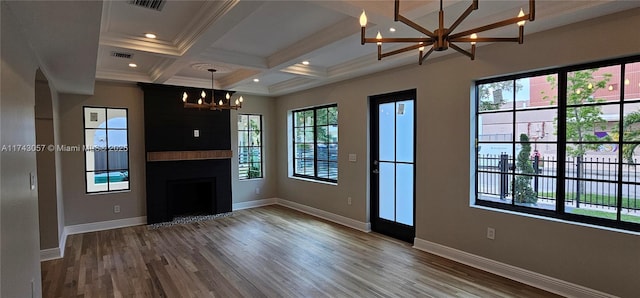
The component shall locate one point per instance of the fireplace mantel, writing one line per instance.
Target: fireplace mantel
(188, 155)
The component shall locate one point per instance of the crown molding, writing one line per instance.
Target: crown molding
(158, 47)
(118, 75)
(306, 70)
(236, 77)
(210, 12)
(290, 85)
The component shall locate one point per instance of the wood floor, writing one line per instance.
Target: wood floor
(270, 251)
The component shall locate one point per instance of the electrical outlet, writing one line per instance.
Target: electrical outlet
(257, 190)
(349, 200)
(116, 208)
(491, 233)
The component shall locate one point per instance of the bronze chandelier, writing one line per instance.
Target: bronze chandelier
(443, 38)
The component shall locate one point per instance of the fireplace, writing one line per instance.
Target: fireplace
(188, 167)
(191, 197)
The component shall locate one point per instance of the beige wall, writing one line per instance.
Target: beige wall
(19, 239)
(47, 193)
(603, 260)
(80, 207)
(245, 190)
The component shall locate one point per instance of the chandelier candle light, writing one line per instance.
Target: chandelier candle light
(443, 38)
(213, 105)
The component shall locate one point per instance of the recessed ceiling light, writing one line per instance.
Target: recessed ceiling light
(392, 29)
(133, 65)
(256, 80)
(150, 35)
(305, 62)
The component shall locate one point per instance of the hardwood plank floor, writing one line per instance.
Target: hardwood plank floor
(270, 251)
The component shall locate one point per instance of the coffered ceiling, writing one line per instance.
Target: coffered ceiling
(264, 40)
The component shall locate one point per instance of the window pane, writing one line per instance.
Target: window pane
(322, 152)
(593, 85)
(299, 119)
(117, 139)
(308, 135)
(323, 169)
(308, 118)
(540, 91)
(243, 138)
(496, 96)
(117, 118)
(404, 131)
(591, 198)
(537, 125)
(96, 138)
(333, 170)
(118, 160)
(255, 154)
(94, 117)
(333, 115)
(321, 115)
(589, 124)
(96, 159)
(333, 152)
(495, 127)
(243, 122)
(333, 134)
(494, 172)
(323, 134)
(299, 134)
(404, 193)
(255, 122)
(630, 203)
(386, 190)
(632, 81)
(255, 170)
(118, 176)
(97, 181)
(386, 128)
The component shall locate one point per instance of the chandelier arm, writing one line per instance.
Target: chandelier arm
(485, 39)
(462, 51)
(424, 57)
(402, 39)
(490, 26)
(464, 15)
(405, 49)
(417, 27)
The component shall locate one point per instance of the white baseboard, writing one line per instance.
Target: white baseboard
(531, 278)
(105, 225)
(339, 219)
(50, 254)
(56, 252)
(253, 204)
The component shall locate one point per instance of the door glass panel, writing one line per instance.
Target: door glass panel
(386, 130)
(404, 131)
(404, 193)
(387, 190)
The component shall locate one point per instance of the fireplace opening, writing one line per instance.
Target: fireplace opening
(191, 197)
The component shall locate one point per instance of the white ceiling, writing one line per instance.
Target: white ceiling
(249, 39)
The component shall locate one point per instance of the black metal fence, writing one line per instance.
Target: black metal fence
(592, 181)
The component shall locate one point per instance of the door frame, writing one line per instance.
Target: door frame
(390, 228)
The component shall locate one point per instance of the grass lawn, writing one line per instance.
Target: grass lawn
(604, 200)
(604, 214)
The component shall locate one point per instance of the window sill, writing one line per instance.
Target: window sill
(107, 192)
(313, 180)
(553, 219)
(251, 179)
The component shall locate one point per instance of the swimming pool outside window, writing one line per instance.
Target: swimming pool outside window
(106, 149)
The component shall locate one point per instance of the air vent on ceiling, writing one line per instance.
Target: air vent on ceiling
(150, 4)
(121, 55)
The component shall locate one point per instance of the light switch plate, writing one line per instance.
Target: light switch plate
(196, 133)
(352, 157)
(32, 181)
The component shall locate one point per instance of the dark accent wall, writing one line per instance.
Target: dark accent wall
(169, 127)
